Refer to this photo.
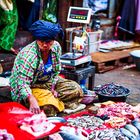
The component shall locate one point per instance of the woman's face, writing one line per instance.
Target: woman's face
(45, 46)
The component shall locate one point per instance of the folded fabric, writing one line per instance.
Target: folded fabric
(45, 97)
(80, 107)
(4, 82)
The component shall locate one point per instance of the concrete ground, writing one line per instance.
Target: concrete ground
(127, 76)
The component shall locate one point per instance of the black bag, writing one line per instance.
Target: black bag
(7, 61)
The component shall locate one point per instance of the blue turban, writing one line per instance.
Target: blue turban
(46, 31)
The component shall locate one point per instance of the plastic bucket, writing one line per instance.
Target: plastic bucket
(136, 57)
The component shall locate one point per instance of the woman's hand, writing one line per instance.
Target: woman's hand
(34, 107)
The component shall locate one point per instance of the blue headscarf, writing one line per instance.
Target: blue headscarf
(46, 31)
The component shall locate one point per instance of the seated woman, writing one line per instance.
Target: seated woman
(35, 79)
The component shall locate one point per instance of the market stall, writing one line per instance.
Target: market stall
(107, 120)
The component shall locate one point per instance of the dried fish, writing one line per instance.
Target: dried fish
(87, 122)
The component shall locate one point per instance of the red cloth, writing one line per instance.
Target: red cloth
(9, 121)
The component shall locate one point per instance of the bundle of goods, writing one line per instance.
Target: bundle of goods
(112, 92)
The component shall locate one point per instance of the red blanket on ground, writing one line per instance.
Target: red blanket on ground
(11, 113)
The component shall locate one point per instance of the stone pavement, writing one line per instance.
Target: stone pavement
(128, 77)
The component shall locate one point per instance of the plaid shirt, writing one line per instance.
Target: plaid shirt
(25, 66)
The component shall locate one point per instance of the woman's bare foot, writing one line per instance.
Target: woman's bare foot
(14, 51)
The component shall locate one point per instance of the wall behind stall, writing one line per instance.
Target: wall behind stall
(63, 7)
(107, 22)
(62, 12)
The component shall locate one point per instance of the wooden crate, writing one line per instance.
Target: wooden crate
(108, 61)
(106, 66)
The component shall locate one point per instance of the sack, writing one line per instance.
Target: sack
(6, 5)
